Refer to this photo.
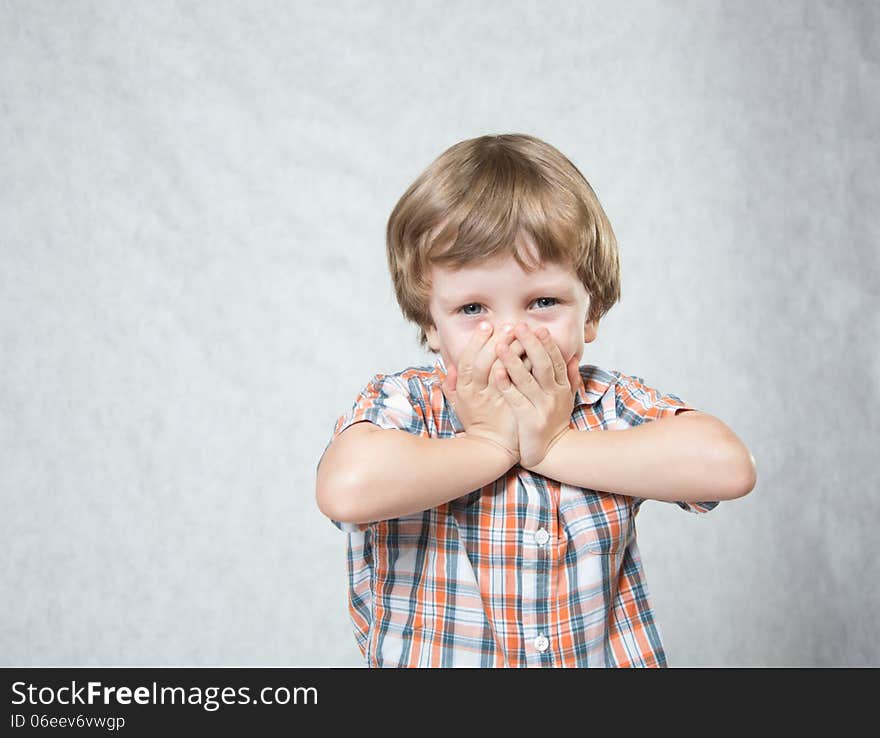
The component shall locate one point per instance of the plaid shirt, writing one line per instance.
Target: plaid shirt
(524, 572)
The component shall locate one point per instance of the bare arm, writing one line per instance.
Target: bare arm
(370, 473)
(690, 457)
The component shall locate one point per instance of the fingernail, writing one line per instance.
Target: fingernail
(484, 326)
(507, 328)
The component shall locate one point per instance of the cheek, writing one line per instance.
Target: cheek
(454, 342)
(569, 338)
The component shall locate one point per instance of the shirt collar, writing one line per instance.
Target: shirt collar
(594, 382)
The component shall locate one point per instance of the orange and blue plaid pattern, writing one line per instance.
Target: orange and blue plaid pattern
(525, 572)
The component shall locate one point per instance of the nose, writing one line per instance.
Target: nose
(511, 324)
(507, 326)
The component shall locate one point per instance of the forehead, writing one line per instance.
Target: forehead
(501, 275)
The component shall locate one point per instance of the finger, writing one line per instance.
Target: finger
(509, 391)
(468, 370)
(449, 394)
(499, 376)
(448, 385)
(525, 383)
(451, 377)
(560, 368)
(515, 346)
(536, 351)
(488, 355)
(574, 374)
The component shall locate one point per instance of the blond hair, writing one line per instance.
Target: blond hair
(476, 198)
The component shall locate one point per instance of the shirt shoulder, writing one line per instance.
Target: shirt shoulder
(627, 397)
(619, 400)
(599, 382)
(409, 399)
(400, 400)
(596, 382)
(418, 383)
(638, 402)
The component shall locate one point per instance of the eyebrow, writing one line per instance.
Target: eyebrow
(465, 298)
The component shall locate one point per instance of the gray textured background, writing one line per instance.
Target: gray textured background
(193, 288)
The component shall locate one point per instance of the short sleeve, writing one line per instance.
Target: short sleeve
(638, 403)
(385, 401)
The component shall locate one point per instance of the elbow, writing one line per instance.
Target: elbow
(736, 465)
(743, 474)
(336, 499)
(326, 501)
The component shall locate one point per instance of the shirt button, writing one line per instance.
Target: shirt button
(542, 643)
(541, 536)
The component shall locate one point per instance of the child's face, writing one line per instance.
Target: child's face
(500, 292)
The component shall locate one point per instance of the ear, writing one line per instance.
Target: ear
(591, 328)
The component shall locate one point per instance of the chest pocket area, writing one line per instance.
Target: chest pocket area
(599, 522)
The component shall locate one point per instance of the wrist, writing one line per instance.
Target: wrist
(554, 442)
(510, 456)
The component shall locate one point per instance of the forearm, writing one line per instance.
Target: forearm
(395, 473)
(680, 458)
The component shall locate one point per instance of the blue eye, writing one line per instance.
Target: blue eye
(464, 308)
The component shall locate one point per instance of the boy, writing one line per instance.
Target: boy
(499, 528)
